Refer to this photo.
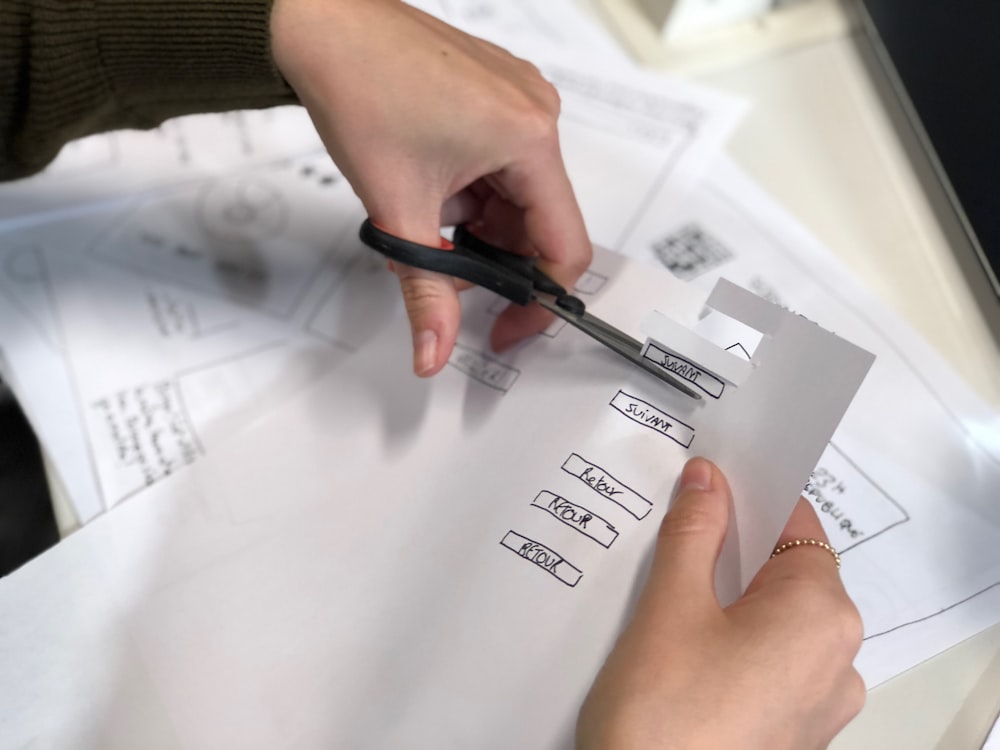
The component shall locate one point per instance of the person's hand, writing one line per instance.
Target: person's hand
(433, 127)
(773, 670)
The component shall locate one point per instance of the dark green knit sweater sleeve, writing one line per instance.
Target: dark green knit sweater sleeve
(70, 68)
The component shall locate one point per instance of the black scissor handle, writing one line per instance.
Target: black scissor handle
(520, 264)
(511, 276)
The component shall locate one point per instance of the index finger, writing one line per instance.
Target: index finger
(553, 225)
(553, 222)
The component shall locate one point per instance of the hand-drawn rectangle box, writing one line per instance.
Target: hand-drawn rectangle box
(852, 508)
(481, 368)
(685, 369)
(590, 283)
(577, 517)
(655, 419)
(552, 330)
(543, 557)
(607, 486)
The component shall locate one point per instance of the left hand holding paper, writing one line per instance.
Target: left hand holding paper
(773, 670)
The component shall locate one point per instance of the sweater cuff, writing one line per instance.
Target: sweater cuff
(162, 59)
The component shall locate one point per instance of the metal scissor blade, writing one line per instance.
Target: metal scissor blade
(616, 340)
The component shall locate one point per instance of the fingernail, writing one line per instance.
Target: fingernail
(697, 475)
(424, 352)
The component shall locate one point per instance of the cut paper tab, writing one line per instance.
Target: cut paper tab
(692, 357)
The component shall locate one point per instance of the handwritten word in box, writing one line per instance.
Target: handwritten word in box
(543, 557)
(851, 507)
(607, 486)
(482, 369)
(590, 283)
(655, 419)
(684, 369)
(577, 517)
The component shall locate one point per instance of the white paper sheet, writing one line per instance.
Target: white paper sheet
(34, 366)
(909, 488)
(206, 275)
(993, 741)
(142, 306)
(555, 35)
(385, 561)
(102, 167)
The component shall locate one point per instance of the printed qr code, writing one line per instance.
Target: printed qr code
(690, 251)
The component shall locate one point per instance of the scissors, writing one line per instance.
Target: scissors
(516, 278)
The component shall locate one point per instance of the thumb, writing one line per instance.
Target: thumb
(689, 541)
(433, 308)
(431, 299)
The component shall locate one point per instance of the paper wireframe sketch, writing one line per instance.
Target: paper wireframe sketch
(124, 162)
(382, 546)
(908, 488)
(36, 370)
(210, 271)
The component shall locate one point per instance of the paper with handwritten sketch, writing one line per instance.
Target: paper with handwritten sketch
(213, 270)
(386, 561)
(909, 487)
(33, 364)
(107, 166)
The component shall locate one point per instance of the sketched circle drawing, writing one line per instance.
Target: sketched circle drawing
(242, 210)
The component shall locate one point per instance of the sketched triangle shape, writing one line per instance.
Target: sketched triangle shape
(739, 346)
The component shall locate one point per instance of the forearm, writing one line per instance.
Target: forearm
(70, 68)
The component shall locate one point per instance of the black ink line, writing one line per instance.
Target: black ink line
(310, 325)
(25, 310)
(717, 385)
(685, 141)
(577, 517)
(542, 557)
(176, 382)
(50, 294)
(583, 285)
(473, 370)
(933, 614)
(554, 329)
(878, 488)
(610, 489)
(643, 420)
(738, 344)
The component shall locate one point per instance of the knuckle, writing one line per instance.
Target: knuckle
(855, 695)
(538, 126)
(581, 260)
(549, 96)
(842, 625)
(531, 77)
(850, 627)
(420, 294)
(534, 114)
